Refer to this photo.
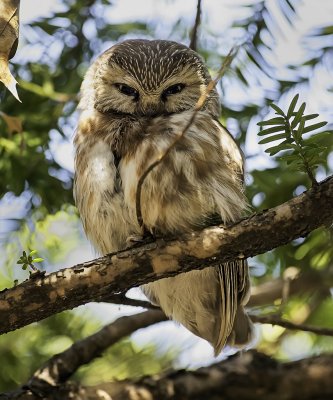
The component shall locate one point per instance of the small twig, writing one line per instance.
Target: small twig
(263, 319)
(200, 103)
(122, 300)
(194, 34)
(285, 293)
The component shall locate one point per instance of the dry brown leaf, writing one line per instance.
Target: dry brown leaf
(14, 124)
(9, 31)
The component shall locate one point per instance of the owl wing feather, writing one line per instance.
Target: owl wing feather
(236, 328)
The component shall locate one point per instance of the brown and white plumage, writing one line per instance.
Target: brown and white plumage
(135, 98)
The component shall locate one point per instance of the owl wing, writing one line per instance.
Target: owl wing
(236, 327)
(236, 155)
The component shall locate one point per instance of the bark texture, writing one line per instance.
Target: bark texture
(42, 296)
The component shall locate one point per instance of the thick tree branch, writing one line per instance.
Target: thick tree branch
(245, 376)
(42, 296)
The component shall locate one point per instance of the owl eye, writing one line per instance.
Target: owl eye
(172, 90)
(127, 90)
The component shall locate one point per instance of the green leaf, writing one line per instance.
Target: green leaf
(314, 126)
(311, 151)
(300, 130)
(272, 138)
(298, 116)
(291, 146)
(275, 149)
(32, 252)
(287, 156)
(38, 259)
(293, 163)
(296, 161)
(20, 262)
(292, 106)
(320, 136)
(272, 121)
(272, 130)
(310, 116)
(277, 109)
(25, 266)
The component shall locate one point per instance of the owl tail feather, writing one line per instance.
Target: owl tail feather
(242, 332)
(206, 303)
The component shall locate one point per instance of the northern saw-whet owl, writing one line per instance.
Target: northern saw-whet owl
(135, 98)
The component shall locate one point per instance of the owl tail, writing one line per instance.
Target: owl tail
(242, 332)
(206, 303)
(236, 328)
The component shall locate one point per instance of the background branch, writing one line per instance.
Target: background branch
(194, 34)
(60, 367)
(261, 319)
(237, 378)
(309, 281)
(273, 320)
(305, 282)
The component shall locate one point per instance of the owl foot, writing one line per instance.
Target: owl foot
(141, 239)
(134, 239)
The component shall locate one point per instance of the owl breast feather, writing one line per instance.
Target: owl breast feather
(199, 177)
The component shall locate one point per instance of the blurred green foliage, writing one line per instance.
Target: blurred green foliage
(36, 178)
(24, 351)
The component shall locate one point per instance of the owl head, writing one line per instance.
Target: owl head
(147, 78)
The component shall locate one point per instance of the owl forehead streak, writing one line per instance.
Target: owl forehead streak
(153, 66)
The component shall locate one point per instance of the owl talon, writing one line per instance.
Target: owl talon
(134, 239)
(146, 237)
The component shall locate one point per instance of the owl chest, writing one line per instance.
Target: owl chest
(172, 198)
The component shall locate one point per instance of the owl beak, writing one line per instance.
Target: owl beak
(151, 109)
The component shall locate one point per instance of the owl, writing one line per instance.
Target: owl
(135, 99)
